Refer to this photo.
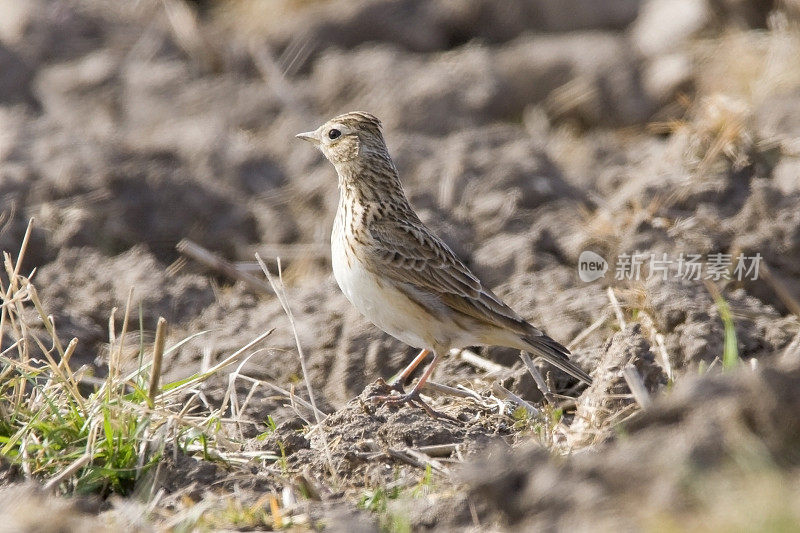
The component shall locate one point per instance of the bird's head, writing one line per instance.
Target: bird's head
(347, 137)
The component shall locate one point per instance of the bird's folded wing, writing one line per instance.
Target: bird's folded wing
(410, 253)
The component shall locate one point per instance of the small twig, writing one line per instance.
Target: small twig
(636, 385)
(537, 377)
(508, 395)
(439, 450)
(406, 458)
(425, 459)
(214, 262)
(158, 355)
(617, 309)
(479, 362)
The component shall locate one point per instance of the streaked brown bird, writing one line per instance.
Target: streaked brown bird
(400, 275)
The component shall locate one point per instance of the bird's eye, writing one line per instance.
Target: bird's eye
(334, 133)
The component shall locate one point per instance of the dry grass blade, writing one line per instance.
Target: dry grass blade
(408, 458)
(439, 450)
(197, 378)
(116, 355)
(47, 320)
(64, 363)
(425, 459)
(293, 398)
(318, 415)
(13, 276)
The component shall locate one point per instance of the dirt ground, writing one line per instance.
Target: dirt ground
(525, 133)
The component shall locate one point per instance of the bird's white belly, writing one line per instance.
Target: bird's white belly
(380, 302)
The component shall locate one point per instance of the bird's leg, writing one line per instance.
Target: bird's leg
(397, 383)
(403, 376)
(413, 397)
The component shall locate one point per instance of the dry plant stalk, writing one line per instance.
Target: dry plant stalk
(280, 292)
(158, 355)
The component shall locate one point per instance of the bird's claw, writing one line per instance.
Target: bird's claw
(412, 398)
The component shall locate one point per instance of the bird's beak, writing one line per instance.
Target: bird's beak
(310, 136)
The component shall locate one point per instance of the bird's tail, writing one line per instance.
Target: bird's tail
(554, 353)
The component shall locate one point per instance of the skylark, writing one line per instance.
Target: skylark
(401, 276)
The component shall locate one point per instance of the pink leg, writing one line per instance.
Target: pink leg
(426, 375)
(410, 368)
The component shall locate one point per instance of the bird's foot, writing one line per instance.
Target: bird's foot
(411, 398)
